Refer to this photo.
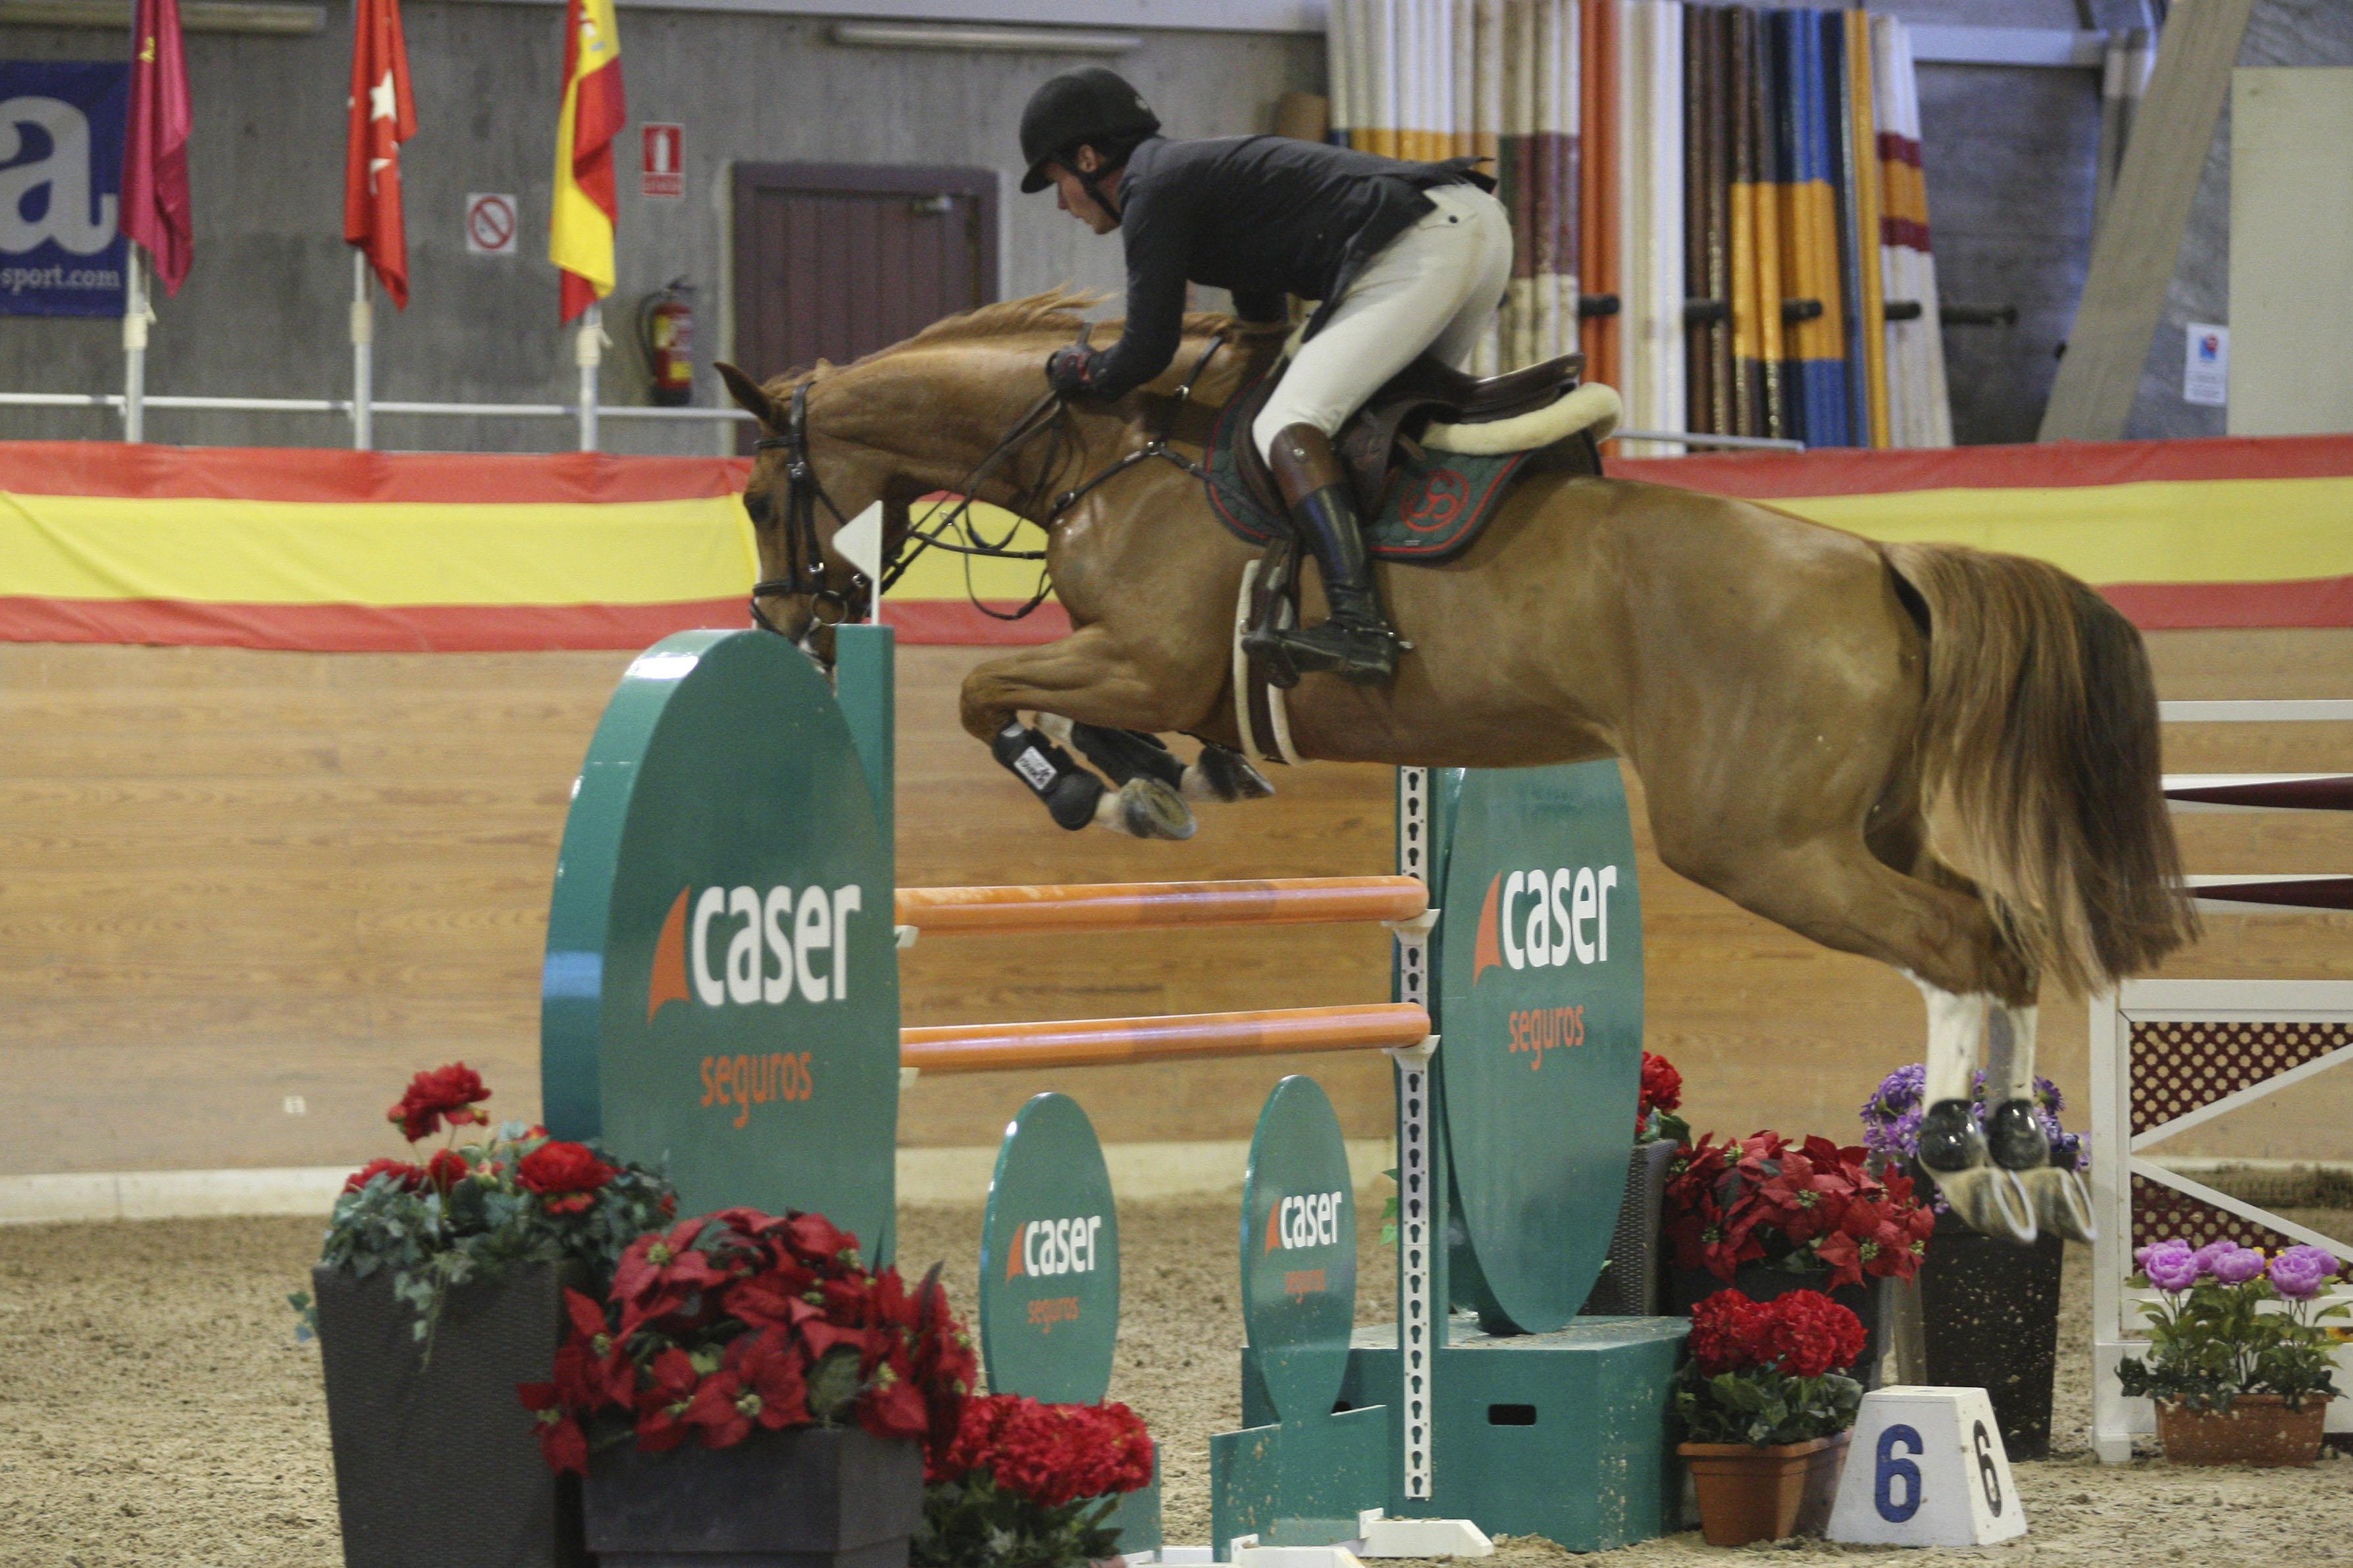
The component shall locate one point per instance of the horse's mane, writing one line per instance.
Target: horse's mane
(1057, 312)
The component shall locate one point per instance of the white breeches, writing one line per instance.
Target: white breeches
(1434, 287)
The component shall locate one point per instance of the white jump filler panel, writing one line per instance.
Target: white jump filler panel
(1926, 1468)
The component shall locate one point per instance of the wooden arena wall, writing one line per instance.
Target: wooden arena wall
(233, 880)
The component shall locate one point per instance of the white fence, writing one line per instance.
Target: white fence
(2170, 1055)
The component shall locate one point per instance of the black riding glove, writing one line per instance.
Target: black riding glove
(1070, 370)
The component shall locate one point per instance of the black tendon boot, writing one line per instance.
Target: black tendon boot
(2015, 1135)
(1354, 642)
(1949, 1139)
(1069, 791)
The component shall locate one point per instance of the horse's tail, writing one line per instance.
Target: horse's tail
(2039, 735)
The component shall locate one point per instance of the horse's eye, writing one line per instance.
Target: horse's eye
(763, 511)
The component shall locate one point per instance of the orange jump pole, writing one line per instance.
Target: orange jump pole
(1139, 906)
(1105, 1042)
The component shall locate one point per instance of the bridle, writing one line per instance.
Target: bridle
(949, 526)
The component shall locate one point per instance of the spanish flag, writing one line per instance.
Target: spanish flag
(580, 234)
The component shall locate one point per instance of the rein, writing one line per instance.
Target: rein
(946, 526)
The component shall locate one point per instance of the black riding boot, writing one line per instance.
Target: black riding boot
(1354, 642)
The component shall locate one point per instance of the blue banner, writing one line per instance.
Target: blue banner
(61, 248)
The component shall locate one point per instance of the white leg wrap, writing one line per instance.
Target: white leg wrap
(1956, 1029)
(2010, 1054)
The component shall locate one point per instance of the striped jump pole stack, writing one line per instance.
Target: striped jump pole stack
(721, 992)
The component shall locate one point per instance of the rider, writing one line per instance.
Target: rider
(1406, 257)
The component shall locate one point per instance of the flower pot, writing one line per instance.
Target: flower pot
(808, 1497)
(2257, 1429)
(1763, 1494)
(1686, 1288)
(1990, 1320)
(1628, 1286)
(446, 1439)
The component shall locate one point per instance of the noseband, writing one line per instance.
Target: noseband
(804, 556)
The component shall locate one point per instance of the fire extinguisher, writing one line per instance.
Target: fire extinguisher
(666, 333)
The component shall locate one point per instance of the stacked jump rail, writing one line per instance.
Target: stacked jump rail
(2168, 1056)
(1149, 906)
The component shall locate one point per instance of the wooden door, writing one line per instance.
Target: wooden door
(835, 260)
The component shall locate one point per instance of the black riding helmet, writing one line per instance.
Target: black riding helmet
(1090, 105)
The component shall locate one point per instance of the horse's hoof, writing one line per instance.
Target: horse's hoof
(1949, 1141)
(1145, 808)
(1221, 774)
(2015, 1137)
(1990, 1201)
(2063, 1202)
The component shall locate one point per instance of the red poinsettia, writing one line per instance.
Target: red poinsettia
(739, 1321)
(566, 1176)
(451, 1093)
(1764, 1199)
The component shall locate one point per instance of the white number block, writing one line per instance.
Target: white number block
(1926, 1468)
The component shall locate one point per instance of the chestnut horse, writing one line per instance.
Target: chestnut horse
(1796, 699)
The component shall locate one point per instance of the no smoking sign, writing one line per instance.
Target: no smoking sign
(491, 225)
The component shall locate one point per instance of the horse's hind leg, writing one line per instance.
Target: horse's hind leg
(1834, 888)
(2060, 1197)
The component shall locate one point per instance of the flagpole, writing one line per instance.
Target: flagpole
(589, 352)
(134, 348)
(362, 356)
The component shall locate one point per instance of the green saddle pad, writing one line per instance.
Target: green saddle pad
(1431, 512)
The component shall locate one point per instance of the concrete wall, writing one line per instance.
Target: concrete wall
(2008, 158)
(2280, 32)
(264, 312)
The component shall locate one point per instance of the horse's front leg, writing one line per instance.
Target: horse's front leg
(2014, 1130)
(1108, 705)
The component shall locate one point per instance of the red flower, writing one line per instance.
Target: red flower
(451, 1092)
(406, 1176)
(773, 1372)
(560, 1438)
(566, 1176)
(1723, 1333)
(662, 1403)
(1050, 1454)
(659, 1271)
(445, 1169)
(1807, 1335)
(1662, 1085)
(894, 1405)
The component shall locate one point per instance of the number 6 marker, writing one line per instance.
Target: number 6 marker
(1926, 1468)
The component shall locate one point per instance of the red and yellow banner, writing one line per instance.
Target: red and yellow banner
(364, 550)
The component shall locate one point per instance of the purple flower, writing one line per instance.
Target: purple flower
(2205, 1256)
(2300, 1271)
(2168, 1265)
(2238, 1265)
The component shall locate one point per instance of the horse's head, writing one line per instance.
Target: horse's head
(799, 498)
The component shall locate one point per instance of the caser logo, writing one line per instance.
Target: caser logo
(1046, 1247)
(742, 946)
(1309, 1219)
(1538, 920)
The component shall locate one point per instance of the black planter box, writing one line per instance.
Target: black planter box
(1869, 1300)
(423, 1449)
(1628, 1286)
(808, 1497)
(1990, 1320)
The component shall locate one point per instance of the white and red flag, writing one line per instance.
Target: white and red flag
(382, 116)
(155, 205)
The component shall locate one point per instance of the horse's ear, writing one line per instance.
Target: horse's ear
(749, 395)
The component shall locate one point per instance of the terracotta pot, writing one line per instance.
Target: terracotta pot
(2258, 1429)
(1763, 1494)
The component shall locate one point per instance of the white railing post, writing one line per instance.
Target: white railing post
(134, 348)
(362, 356)
(588, 351)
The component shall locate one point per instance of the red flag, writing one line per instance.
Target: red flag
(382, 116)
(156, 209)
(580, 230)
